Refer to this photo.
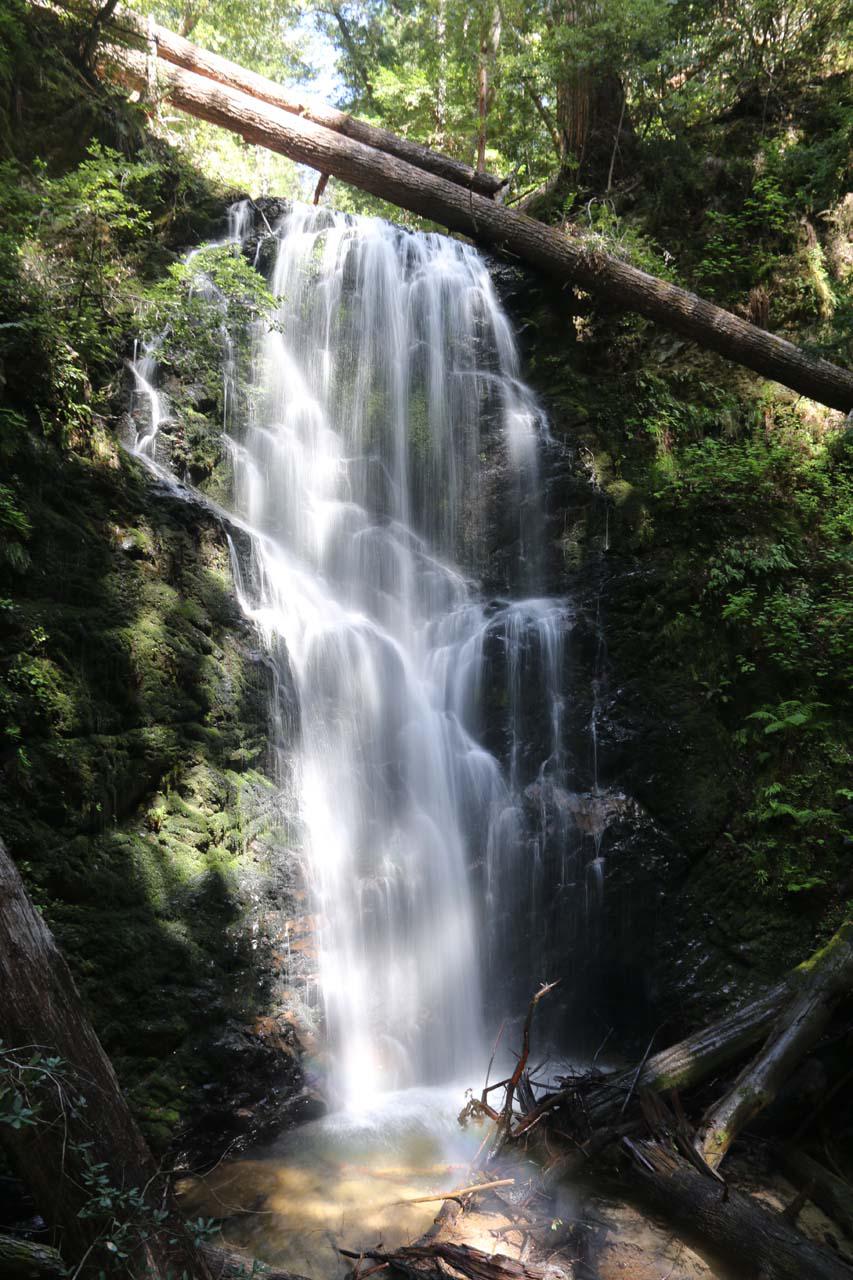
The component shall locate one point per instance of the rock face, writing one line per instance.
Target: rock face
(138, 801)
(666, 923)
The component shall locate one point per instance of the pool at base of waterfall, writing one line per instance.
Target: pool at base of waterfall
(349, 1180)
(346, 1180)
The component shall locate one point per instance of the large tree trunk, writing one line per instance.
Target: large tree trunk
(81, 1117)
(591, 113)
(563, 258)
(755, 1241)
(182, 53)
(799, 1026)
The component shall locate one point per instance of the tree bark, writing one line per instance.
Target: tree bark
(564, 258)
(82, 1118)
(182, 53)
(27, 1260)
(755, 1241)
(828, 978)
(489, 44)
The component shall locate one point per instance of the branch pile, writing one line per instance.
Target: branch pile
(636, 1119)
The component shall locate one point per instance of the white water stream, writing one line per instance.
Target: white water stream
(389, 427)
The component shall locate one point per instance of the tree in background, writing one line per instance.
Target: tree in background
(268, 36)
(559, 92)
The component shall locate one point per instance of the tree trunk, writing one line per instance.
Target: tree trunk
(755, 1241)
(564, 258)
(799, 1026)
(182, 53)
(591, 110)
(81, 1117)
(441, 83)
(26, 1260)
(489, 44)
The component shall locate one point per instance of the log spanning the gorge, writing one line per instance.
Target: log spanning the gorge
(564, 258)
(175, 49)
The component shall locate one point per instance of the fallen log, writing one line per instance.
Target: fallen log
(226, 1265)
(755, 1241)
(28, 1260)
(595, 1101)
(175, 49)
(828, 1192)
(592, 1102)
(828, 977)
(566, 259)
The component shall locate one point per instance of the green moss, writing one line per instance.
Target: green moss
(133, 796)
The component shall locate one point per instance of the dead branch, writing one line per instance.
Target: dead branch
(460, 1191)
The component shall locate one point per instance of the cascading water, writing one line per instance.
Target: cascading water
(388, 381)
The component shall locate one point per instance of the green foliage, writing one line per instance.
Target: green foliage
(39, 1090)
(15, 529)
(264, 35)
(66, 263)
(742, 249)
(212, 296)
(620, 238)
(766, 512)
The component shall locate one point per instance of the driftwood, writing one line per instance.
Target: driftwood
(594, 1102)
(755, 1241)
(567, 259)
(458, 1194)
(792, 1012)
(429, 1261)
(827, 978)
(593, 1111)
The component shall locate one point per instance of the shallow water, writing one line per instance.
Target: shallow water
(342, 1181)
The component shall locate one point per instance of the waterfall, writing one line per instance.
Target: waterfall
(387, 433)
